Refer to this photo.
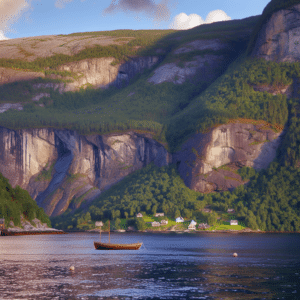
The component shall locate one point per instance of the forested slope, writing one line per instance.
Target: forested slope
(16, 202)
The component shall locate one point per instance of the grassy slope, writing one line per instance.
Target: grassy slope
(141, 105)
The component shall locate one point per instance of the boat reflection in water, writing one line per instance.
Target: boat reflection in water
(110, 246)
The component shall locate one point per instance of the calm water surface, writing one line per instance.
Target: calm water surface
(168, 266)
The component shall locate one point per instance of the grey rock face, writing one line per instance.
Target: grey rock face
(202, 45)
(62, 169)
(100, 72)
(205, 68)
(233, 144)
(83, 165)
(279, 38)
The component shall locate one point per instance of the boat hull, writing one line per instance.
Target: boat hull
(109, 246)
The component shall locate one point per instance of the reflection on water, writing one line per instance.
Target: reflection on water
(167, 267)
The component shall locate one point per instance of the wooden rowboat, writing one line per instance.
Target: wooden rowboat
(110, 246)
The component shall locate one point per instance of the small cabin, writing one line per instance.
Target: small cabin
(139, 215)
(159, 215)
(192, 225)
(230, 210)
(155, 224)
(164, 222)
(234, 222)
(179, 220)
(2, 224)
(98, 224)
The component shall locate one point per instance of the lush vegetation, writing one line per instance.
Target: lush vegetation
(172, 112)
(15, 202)
(140, 106)
(149, 190)
(233, 96)
(270, 201)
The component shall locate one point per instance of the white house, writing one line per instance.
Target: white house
(234, 222)
(164, 222)
(159, 214)
(155, 224)
(99, 224)
(139, 215)
(192, 225)
(179, 220)
(230, 210)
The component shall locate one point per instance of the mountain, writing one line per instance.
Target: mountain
(82, 112)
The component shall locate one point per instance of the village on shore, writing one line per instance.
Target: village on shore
(160, 223)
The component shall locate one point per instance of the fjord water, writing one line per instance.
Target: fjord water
(168, 266)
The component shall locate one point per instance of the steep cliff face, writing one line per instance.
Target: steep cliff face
(100, 73)
(229, 146)
(95, 72)
(61, 169)
(279, 38)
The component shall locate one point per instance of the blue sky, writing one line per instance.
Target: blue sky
(25, 18)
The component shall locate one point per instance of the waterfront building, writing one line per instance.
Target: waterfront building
(179, 220)
(192, 225)
(234, 222)
(155, 224)
(159, 215)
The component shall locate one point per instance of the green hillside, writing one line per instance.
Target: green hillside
(249, 89)
(15, 202)
(141, 105)
(270, 202)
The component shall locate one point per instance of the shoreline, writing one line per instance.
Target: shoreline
(5, 232)
(189, 231)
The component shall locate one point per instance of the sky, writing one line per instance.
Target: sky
(27, 18)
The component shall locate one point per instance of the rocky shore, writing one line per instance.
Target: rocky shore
(27, 227)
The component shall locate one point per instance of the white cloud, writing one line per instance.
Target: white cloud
(11, 11)
(216, 16)
(2, 36)
(183, 21)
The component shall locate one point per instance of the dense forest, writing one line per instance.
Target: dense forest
(269, 202)
(15, 202)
